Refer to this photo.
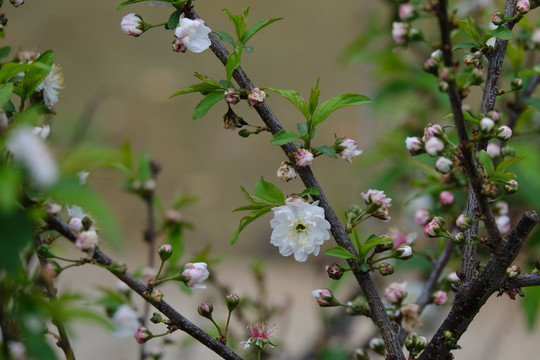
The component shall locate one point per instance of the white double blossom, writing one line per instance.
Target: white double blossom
(299, 228)
(53, 82)
(193, 34)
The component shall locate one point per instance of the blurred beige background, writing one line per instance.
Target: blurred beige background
(133, 78)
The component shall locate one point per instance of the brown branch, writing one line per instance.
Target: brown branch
(337, 229)
(176, 319)
(522, 281)
(473, 295)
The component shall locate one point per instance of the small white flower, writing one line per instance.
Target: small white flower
(377, 197)
(486, 124)
(125, 321)
(399, 32)
(193, 34)
(87, 240)
(286, 172)
(42, 131)
(434, 146)
(503, 224)
(132, 24)
(33, 153)
(350, 149)
(53, 82)
(195, 274)
(299, 228)
(443, 165)
(491, 42)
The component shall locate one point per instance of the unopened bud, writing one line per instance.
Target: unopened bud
(165, 252)
(508, 151)
(486, 125)
(516, 84)
(415, 145)
(504, 133)
(377, 345)
(142, 335)
(325, 298)
(232, 301)
(446, 198)
(513, 271)
(335, 271)
(205, 309)
(156, 318)
(403, 252)
(511, 187)
(497, 18)
(440, 297)
(361, 354)
(459, 238)
(385, 269)
(463, 222)
(156, 295)
(435, 227)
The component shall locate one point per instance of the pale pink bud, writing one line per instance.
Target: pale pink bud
(422, 217)
(463, 222)
(503, 224)
(132, 24)
(504, 133)
(256, 97)
(443, 165)
(497, 18)
(87, 240)
(194, 274)
(17, 3)
(385, 269)
(432, 130)
(303, 158)
(440, 297)
(459, 238)
(165, 252)
(486, 125)
(501, 208)
(178, 46)
(205, 309)
(406, 11)
(415, 145)
(493, 150)
(513, 271)
(399, 32)
(434, 146)
(143, 335)
(511, 187)
(435, 227)
(324, 297)
(75, 224)
(447, 198)
(523, 6)
(396, 292)
(452, 277)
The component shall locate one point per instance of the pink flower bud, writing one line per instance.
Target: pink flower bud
(513, 271)
(511, 187)
(87, 240)
(440, 297)
(232, 301)
(406, 11)
(459, 238)
(194, 274)
(132, 24)
(432, 130)
(493, 150)
(447, 198)
(396, 292)
(205, 309)
(143, 335)
(385, 269)
(452, 277)
(523, 6)
(497, 18)
(17, 3)
(75, 224)
(335, 271)
(165, 252)
(435, 227)
(303, 157)
(399, 32)
(463, 222)
(421, 217)
(403, 252)
(324, 297)
(444, 165)
(415, 145)
(256, 97)
(434, 146)
(504, 133)
(378, 198)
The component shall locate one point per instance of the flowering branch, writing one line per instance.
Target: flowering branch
(337, 229)
(175, 318)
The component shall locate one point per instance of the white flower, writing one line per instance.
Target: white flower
(193, 34)
(434, 146)
(286, 172)
(32, 152)
(158, 4)
(444, 165)
(194, 274)
(377, 197)
(53, 82)
(132, 24)
(399, 32)
(486, 124)
(87, 240)
(42, 131)
(350, 149)
(503, 224)
(126, 321)
(299, 228)
(491, 42)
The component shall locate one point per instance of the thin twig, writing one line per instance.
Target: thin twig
(338, 231)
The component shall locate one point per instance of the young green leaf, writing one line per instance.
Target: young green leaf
(210, 81)
(4, 51)
(310, 191)
(283, 137)
(486, 162)
(337, 102)
(206, 104)
(464, 46)
(340, 252)
(259, 25)
(269, 192)
(295, 98)
(314, 98)
(233, 61)
(246, 220)
(173, 21)
(327, 150)
(225, 37)
(202, 87)
(239, 23)
(502, 33)
(469, 27)
(302, 128)
(371, 242)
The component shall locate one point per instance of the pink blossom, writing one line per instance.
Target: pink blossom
(399, 32)
(440, 297)
(447, 198)
(432, 130)
(377, 197)
(259, 333)
(400, 239)
(523, 6)
(421, 216)
(303, 158)
(87, 240)
(193, 34)
(143, 335)
(415, 145)
(132, 24)
(256, 97)
(194, 274)
(406, 11)
(395, 292)
(433, 228)
(493, 150)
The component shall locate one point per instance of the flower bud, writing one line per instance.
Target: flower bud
(232, 301)
(388, 246)
(493, 150)
(165, 252)
(403, 252)
(286, 172)
(444, 165)
(205, 309)
(334, 271)
(522, 6)
(463, 222)
(395, 292)
(377, 345)
(347, 149)
(486, 125)
(434, 146)
(325, 298)
(446, 198)
(399, 32)
(516, 84)
(256, 97)
(513, 271)
(497, 18)
(53, 269)
(415, 145)
(16, 3)
(411, 341)
(156, 295)
(503, 224)
(303, 158)
(194, 274)
(432, 130)
(156, 318)
(87, 240)
(406, 12)
(439, 297)
(435, 227)
(178, 46)
(453, 277)
(361, 354)
(504, 133)
(511, 187)
(231, 97)
(421, 343)
(385, 269)
(132, 24)
(459, 238)
(508, 151)
(422, 217)
(143, 335)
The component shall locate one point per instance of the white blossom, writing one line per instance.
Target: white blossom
(350, 150)
(193, 34)
(299, 228)
(195, 274)
(443, 165)
(33, 153)
(87, 240)
(286, 172)
(125, 321)
(132, 24)
(53, 82)
(42, 131)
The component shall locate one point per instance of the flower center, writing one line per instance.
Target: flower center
(300, 226)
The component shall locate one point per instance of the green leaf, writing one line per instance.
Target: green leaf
(16, 234)
(502, 33)
(314, 98)
(35, 74)
(468, 27)
(9, 188)
(486, 162)
(210, 81)
(310, 191)
(173, 21)
(145, 168)
(269, 192)
(295, 98)
(509, 161)
(239, 23)
(337, 102)
(302, 128)
(259, 25)
(531, 304)
(233, 61)
(225, 37)
(327, 150)
(4, 51)
(283, 137)
(468, 117)
(371, 242)
(365, 267)
(202, 87)
(5, 94)
(464, 46)
(206, 104)
(340, 252)
(246, 220)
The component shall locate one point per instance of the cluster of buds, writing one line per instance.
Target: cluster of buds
(83, 228)
(415, 344)
(433, 143)
(435, 228)
(378, 204)
(303, 157)
(513, 271)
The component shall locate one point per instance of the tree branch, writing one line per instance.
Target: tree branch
(522, 281)
(337, 229)
(176, 319)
